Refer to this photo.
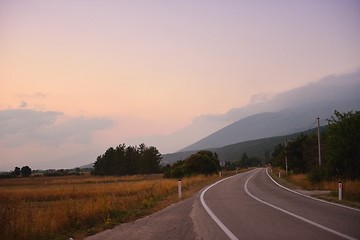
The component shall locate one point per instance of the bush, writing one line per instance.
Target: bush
(316, 175)
(203, 162)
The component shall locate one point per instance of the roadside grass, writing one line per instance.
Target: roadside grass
(77, 206)
(351, 189)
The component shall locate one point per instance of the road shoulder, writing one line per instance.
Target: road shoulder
(173, 222)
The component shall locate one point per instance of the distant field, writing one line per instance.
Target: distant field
(63, 207)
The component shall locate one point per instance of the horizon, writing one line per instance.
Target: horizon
(92, 75)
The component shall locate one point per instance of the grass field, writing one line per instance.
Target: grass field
(76, 206)
(351, 189)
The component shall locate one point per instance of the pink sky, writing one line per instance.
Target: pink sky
(126, 69)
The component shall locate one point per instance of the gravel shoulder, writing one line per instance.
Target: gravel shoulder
(173, 222)
(185, 220)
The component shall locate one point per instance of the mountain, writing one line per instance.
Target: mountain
(299, 109)
(339, 92)
(253, 148)
(87, 166)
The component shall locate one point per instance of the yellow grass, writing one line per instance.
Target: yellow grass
(59, 207)
(351, 189)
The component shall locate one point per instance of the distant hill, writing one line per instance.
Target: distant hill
(316, 99)
(300, 108)
(87, 166)
(233, 152)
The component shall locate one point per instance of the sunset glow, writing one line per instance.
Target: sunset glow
(119, 70)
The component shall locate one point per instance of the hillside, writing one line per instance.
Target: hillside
(299, 109)
(233, 152)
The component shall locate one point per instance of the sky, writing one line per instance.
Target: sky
(77, 77)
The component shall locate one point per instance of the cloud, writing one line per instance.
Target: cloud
(20, 126)
(34, 95)
(32, 100)
(332, 88)
(23, 104)
(260, 97)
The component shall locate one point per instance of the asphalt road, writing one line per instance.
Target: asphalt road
(246, 206)
(252, 206)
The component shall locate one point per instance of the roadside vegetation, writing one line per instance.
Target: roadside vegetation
(328, 188)
(128, 182)
(340, 151)
(340, 159)
(125, 184)
(128, 160)
(202, 162)
(77, 206)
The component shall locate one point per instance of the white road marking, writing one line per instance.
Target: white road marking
(213, 216)
(320, 200)
(294, 215)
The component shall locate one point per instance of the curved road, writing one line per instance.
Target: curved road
(245, 206)
(252, 206)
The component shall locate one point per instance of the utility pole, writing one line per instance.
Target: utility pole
(286, 162)
(318, 133)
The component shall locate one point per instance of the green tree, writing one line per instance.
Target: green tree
(301, 154)
(124, 160)
(17, 171)
(343, 145)
(132, 159)
(298, 162)
(254, 162)
(267, 157)
(278, 156)
(176, 170)
(25, 171)
(244, 161)
(202, 162)
(149, 160)
(104, 163)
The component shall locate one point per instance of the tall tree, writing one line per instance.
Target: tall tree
(278, 156)
(17, 171)
(301, 154)
(149, 160)
(129, 160)
(343, 140)
(25, 171)
(202, 162)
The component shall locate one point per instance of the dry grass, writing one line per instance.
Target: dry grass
(351, 189)
(59, 207)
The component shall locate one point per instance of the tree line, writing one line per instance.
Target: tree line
(25, 171)
(340, 150)
(202, 162)
(128, 160)
(244, 162)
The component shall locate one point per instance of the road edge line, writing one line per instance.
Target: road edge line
(212, 215)
(295, 215)
(317, 199)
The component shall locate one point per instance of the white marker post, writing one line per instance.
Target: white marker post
(340, 191)
(279, 175)
(179, 187)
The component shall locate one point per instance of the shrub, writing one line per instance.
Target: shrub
(316, 175)
(203, 162)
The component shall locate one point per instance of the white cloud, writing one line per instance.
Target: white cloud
(20, 126)
(49, 139)
(260, 97)
(332, 87)
(23, 104)
(34, 95)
